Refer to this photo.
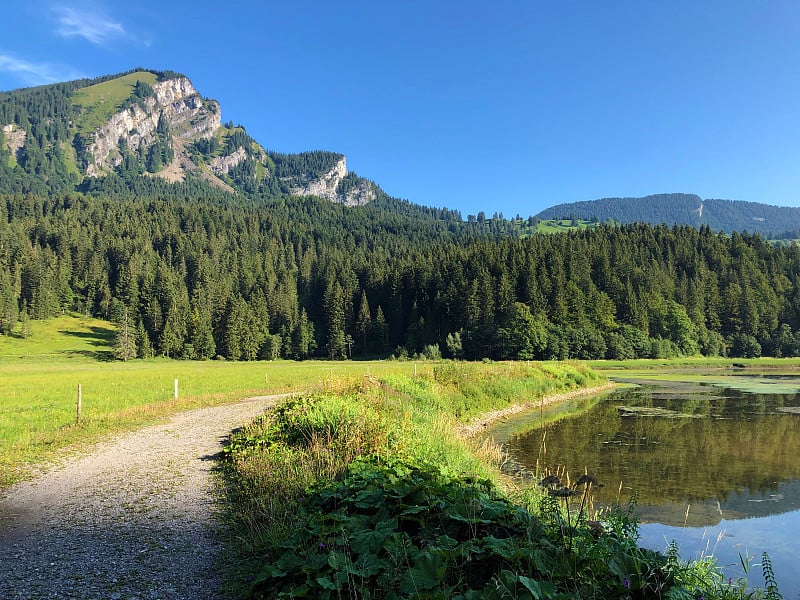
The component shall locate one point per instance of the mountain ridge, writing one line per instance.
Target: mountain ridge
(105, 135)
(60, 137)
(683, 209)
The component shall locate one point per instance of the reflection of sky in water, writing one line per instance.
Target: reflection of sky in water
(777, 534)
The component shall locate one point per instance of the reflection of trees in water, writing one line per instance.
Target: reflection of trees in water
(742, 449)
(782, 497)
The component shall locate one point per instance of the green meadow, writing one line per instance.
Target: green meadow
(561, 225)
(40, 375)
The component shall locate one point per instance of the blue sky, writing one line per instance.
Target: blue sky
(504, 106)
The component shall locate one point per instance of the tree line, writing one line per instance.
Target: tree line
(301, 277)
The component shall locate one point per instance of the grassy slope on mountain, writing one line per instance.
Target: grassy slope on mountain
(99, 102)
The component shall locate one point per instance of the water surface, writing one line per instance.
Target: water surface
(713, 460)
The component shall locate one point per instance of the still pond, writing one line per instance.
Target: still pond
(712, 458)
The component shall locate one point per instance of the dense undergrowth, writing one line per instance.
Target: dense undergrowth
(363, 490)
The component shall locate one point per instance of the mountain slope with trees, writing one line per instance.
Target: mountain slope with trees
(301, 277)
(201, 243)
(144, 124)
(684, 209)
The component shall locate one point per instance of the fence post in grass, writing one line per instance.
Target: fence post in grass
(78, 413)
(176, 389)
(415, 369)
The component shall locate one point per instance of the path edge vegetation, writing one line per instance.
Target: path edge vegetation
(364, 488)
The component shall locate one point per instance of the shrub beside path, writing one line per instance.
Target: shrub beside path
(134, 519)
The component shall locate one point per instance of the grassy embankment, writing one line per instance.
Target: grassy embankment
(40, 374)
(363, 490)
(687, 363)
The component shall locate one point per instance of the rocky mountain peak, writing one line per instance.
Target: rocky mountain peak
(187, 115)
(332, 186)
(155, 124)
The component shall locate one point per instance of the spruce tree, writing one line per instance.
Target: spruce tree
(125, 338)
(363, 321)
(382, 329)
(334, 309)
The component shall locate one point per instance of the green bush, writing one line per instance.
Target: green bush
(400, 529)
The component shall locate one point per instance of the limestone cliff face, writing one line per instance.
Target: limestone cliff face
(325, 186)
(189, 119)
(329, 186)
(221, 165)
(362, 193)
(176, 100)
(15, 137)
(189, 116)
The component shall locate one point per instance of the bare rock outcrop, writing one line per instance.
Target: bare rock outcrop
(221, 165)
(363, 192)
(329, 186)
(176, 100)
(15, 137)
(325, 186)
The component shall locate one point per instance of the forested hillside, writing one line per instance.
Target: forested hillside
(140, 131)
(127, 198)
(200, 277)
(684, 209)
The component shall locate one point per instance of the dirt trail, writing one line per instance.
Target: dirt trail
(132, 520)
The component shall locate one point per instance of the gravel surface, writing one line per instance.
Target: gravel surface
(134, 519)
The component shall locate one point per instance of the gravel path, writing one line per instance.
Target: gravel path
(132, 520)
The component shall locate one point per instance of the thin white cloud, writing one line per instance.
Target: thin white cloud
(32, 73)
(91, 24)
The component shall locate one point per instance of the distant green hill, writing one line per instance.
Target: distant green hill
(684, 209)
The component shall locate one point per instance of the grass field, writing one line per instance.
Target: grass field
(40, 375)
(560, 226)
(39, 378)
(704, 363)
(99, 102)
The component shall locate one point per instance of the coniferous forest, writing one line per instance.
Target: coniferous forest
(289, 277)
(240, 268)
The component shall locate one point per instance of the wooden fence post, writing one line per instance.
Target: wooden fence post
(78, 413)
(176, 389)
